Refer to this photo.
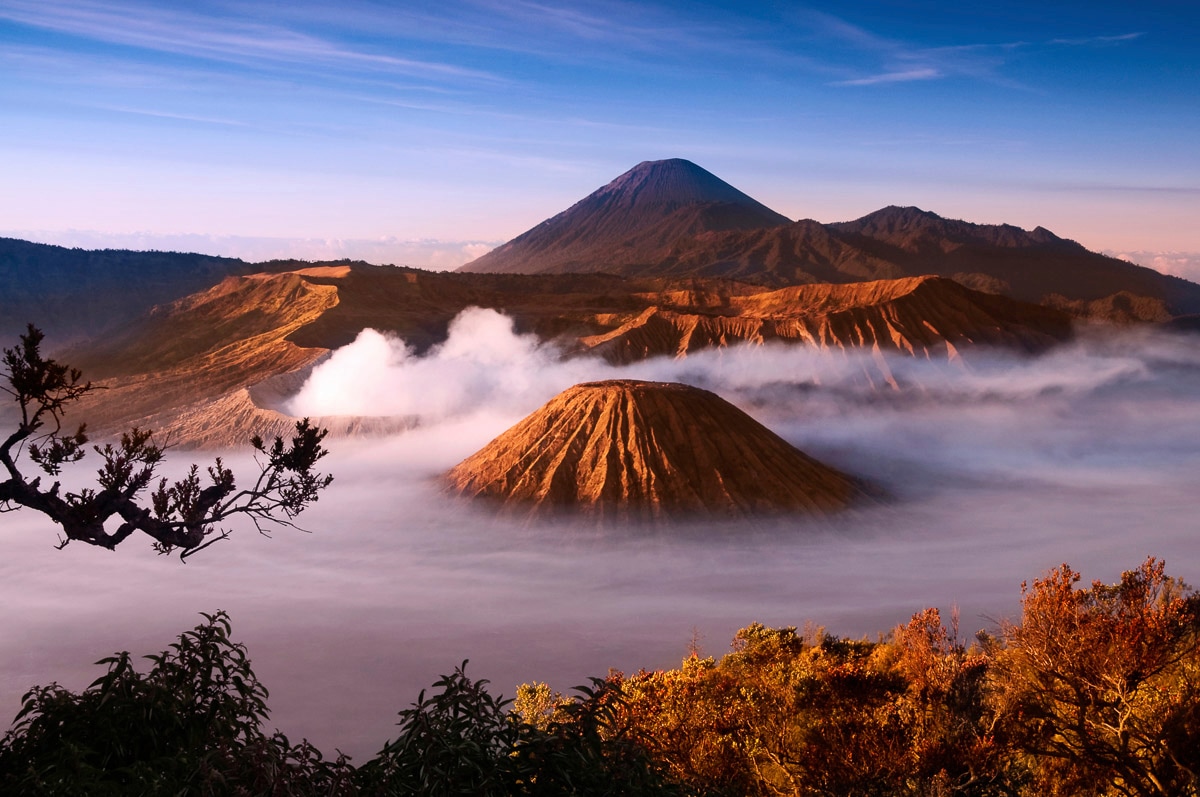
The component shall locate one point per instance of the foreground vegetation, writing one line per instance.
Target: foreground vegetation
(1096, 691)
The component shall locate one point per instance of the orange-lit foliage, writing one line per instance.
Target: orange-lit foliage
(1100, 686)
(1095, 693)
(816, 715)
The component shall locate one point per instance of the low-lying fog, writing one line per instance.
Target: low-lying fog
(1001, 468)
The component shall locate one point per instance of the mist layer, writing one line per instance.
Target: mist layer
(1000, 468)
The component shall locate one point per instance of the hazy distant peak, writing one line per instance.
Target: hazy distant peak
(673, 218)
(908, 226)
(897, 217)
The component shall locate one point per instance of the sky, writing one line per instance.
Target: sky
(424, 133)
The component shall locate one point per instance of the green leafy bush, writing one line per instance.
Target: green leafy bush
(190, 725)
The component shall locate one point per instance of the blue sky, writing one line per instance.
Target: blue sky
(363, 128)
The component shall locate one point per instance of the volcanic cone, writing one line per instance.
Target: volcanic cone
(648, 450)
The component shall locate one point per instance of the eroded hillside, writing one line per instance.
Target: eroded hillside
(648, 451)
(212, 367)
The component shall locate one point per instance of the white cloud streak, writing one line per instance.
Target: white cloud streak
(904, 62)
(924, 73)
(1087, 41)
(429, 253)
(185, 33)
(1179, 264)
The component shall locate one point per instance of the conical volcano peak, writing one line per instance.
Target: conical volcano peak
(631, 222)
(648, 451)
(674, 182)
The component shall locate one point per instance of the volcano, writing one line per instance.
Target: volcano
(673, 219)
(634, 220)
(633, 450)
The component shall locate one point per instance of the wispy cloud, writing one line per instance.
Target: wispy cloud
(901, 61)
(1180, 264)
(1087, 41)
(541, 121)
(231, 40)
(181, 117)
(630, 27)
(886, 60)
(924, 73)
(1122, 188)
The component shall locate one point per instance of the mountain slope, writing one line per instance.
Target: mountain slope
(919, 316)
(1034, 266)
(648, 450)
(673, 219)
(632, 220)
(199, 367)
(75, 293)
(795, 254)
(200, 348)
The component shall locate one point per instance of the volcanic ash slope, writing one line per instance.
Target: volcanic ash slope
(632, 450)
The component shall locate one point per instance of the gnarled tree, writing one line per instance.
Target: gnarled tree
(1100, 685)
(187, 514)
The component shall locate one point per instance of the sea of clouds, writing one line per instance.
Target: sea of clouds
(428, 253)
(1179, 264)
(999, 467)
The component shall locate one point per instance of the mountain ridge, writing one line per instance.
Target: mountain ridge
(196, 368)
(80, 293)
(701, 236)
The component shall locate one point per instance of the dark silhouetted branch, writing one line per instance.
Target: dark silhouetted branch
(186, 514)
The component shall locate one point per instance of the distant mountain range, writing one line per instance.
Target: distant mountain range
(673, 218)
(77, 293)
(666, 218)
(207, 349)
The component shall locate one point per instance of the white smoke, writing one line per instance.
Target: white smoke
(483, 365)
(486, 368)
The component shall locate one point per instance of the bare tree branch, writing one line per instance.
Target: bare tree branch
(186, 514)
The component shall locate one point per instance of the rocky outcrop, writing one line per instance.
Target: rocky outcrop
(208, 368)
(922, 316)
(648, 451)
(198, 350)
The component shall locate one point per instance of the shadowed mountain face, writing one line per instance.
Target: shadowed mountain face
(82, 293)
(649, 451)
(673, 219)
(633, 220)
(1035, 266)
(896, 242)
